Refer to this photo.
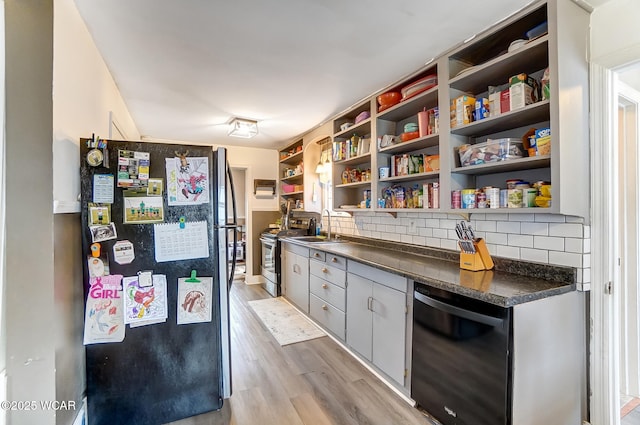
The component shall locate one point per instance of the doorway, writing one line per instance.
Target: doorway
(628, 210)
(239, 183)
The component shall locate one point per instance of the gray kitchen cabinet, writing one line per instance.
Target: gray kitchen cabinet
(327, 278)
(376, 318)
(295, 275)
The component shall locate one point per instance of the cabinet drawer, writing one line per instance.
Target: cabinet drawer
(328, 292)
(336, 261)
(317, 254)
(379, 276)
(300, 250)
(329, 316)
(327, 272)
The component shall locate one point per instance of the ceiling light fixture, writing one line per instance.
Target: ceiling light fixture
(239, 127)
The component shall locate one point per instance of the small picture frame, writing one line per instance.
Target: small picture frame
(143, 209)
(99, 215)
(155, 187)
(103, 232)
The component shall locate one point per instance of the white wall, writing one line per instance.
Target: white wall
(613, 31)
(29, 234)
(84, 94)
(259, 164)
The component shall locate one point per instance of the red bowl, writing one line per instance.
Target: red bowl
(405, 137)
(389, 99)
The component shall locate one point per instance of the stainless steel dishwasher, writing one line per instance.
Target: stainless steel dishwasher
(461, 358)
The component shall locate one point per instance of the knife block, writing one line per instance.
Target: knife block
(479, 260)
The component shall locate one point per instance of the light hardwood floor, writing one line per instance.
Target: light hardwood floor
(312, 383)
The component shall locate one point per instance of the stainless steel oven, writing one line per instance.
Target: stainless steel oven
(270, 247)
(270, 258)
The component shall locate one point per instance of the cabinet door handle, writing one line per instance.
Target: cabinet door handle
(325, 270)
(324, 286)
(316, 255)
(324, 307)
(370, 303)
(334, 260)
(296, 268)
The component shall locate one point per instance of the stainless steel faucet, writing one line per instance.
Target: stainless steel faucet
(328, 222)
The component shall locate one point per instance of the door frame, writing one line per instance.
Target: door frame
(604, 366)
(629, 119)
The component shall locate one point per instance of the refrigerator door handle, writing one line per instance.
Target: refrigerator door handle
(233, 225)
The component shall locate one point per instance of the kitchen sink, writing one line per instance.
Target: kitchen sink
(316, 239)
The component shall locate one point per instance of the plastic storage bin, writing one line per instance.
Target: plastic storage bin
(493, 150)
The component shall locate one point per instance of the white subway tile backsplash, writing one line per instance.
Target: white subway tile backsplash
(448, 244)
(550, 218)
(542, 238)
(508, 252)
(496, 238)
(525, 241)
(522, 217)
(573, 219)
(508, 227)
(432, 222)
(440, 233)
(425, 231)
(448, 224)
(435, 242)
(567, 259)
(547, 242)
(569, 230)
(484, 226)
(586, 275)
(536, 255)
(573, 245)
(539, 229)
(419, 240)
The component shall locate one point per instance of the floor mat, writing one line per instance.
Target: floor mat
(285, 323)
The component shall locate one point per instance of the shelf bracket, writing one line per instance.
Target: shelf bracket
(465, 216)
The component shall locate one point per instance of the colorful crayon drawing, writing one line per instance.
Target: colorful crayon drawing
(142, 304)
(104, 320)
(194, 300)
(187, 180)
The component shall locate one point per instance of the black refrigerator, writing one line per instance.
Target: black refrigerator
(138, 199)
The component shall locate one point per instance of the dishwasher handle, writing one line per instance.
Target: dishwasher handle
(457, 311)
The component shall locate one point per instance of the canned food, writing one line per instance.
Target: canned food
(468, 198)
(504, 198)
(493, 197)
(481, 200)
(436, 195)
(514, 198)
(456, 199)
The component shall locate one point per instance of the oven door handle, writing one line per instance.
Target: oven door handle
(269, 242)
(457, 311)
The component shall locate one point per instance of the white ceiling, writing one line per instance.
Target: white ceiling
(185, 68)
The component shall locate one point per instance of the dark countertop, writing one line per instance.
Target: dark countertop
(503, 288)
